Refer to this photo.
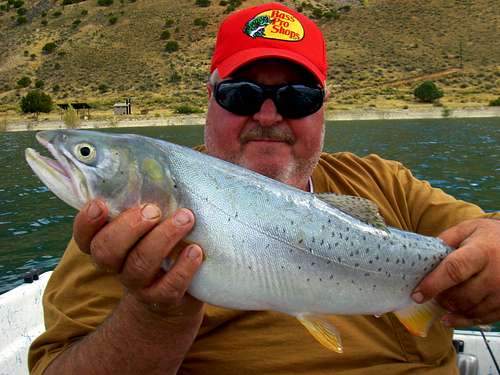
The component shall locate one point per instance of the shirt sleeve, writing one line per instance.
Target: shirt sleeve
(77, 299)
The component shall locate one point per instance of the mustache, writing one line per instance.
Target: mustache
(272, 133)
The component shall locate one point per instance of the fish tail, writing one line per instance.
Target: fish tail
(419, 318)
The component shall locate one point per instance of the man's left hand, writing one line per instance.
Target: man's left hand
(467, 281)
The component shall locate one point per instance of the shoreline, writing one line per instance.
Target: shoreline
(199, 119)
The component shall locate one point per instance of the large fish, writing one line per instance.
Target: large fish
(267, 245)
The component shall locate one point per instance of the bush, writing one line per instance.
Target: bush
(495, 102)
(165, 34)
(21, 11)
(428, 92)
(84, 12)
(202, 3)
(44, 22)
(200, 22)
(174, 77)
(39, 84)
(56, 88)
(18, 3)
(56, 14)
(222, 3)
(24, 82)
(171, 46)
(104, 3)
(102, 88)
(49, 48)
(112, 20)
(76, 22)
(169, 22)
(21, 19)
(35, 102)
(186, 109)
(70, 117)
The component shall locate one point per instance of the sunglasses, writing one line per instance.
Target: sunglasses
(245, 98)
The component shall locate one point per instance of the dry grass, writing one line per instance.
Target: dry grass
(370, 47)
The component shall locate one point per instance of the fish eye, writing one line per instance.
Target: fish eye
(85, 152)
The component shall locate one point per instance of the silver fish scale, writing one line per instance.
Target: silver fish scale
(270, 246)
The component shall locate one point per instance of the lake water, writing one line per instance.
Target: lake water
(460, 156)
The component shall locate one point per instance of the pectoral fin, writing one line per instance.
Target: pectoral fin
(322, 330)
(418, 318)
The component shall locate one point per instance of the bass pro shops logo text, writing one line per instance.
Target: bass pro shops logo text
(275, 24)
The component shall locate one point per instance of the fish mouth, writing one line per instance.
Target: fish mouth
(60, 174)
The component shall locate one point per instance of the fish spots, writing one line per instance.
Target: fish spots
(300, 267)
(331, 277)
(301, 240)
(308, 279)
(312, 263)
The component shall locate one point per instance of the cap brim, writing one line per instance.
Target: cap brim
(228, 66)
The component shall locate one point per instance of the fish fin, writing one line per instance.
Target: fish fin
(418, 318)
(361, 208)
(322, 330)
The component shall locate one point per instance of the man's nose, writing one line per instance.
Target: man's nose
(268, 114)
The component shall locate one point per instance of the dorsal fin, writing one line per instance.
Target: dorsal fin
(361, 208)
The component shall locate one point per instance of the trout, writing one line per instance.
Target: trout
(267, 245)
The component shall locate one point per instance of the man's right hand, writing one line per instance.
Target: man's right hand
(133, 246)
(155, 323)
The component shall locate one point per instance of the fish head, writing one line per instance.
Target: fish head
(111, 167)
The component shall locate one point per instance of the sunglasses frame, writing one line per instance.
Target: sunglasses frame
(270, 92)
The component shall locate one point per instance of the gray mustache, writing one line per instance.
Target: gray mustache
(272, 133)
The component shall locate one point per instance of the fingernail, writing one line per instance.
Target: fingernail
(417, 297)
(194, 252)
(181, 218)
(94, 210)
(150, 212)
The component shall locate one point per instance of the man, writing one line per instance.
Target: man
(110, 309)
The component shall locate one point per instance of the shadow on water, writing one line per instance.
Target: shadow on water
(460, 156)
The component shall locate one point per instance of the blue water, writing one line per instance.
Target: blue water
(460, 156)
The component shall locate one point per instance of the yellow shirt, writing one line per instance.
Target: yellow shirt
(78, 297)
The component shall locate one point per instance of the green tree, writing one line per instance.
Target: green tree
(24, 82)
(495, 102)
(428, 92)
(39, 84)
(35, 102)
(165, 34)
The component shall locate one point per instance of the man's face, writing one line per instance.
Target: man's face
(284, 149)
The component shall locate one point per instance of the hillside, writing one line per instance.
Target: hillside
(378, 50)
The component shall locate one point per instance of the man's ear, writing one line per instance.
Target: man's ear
(327, 94)
(210, 90)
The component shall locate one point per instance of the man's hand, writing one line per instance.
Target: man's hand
(467, 282)
(133, 247)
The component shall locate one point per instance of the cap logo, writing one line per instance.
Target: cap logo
(275, 24)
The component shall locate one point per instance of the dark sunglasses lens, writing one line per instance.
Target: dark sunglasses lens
(241, 98)
(296, 101)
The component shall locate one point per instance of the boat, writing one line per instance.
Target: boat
(21, 314)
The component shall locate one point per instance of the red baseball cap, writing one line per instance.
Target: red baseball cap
(267, 31)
